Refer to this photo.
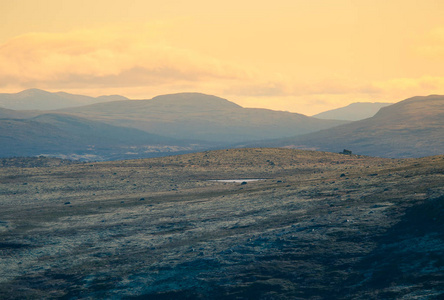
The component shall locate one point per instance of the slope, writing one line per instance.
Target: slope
(410, 128)
(14, 114)
(65, 134)
(319, 226)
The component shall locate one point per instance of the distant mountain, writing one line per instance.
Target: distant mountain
(411, 128)
(35, 99)
(188, 122)
(125, 129)
(52, 134)
(353, 112)
(203, 117)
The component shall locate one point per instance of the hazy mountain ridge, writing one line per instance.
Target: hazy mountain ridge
(353, 112)
(204, 117)
(36, 99)
(133, 128)
(63, 135)
(410, 128)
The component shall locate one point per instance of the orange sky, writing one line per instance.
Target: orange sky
(303, 56)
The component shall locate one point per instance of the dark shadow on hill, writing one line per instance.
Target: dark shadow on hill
(408, 261)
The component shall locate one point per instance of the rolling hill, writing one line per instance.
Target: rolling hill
(35, 99)
(353, 112)
(14, 114)
(66, 135)
(203, 117)
(122, 129)
(410, 128)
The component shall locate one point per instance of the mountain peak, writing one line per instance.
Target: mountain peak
(353, 112)
(197, 100)
(112, 98)
(32, 92)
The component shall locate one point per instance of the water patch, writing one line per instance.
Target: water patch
(238, 180)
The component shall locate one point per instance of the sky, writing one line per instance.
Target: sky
(303, 56)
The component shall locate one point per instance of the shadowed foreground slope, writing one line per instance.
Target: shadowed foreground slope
(319, 226)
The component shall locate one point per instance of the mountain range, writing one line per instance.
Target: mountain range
(187, 122)
(202, 117)
(177, 123)
(410, 128)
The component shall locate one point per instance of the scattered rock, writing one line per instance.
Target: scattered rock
(346, 152)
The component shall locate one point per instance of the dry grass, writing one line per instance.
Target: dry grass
(158, 227)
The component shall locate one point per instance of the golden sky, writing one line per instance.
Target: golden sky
(303, 56)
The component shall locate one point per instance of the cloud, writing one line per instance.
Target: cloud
(104, 58)
(139, 63)
(338, 86)
(132, 57)
(412, 86)
(280, 86)
(259, 88)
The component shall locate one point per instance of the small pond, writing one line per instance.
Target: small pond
(238, 180)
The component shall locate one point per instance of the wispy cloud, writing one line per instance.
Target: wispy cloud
(98, 57)
(139, 63)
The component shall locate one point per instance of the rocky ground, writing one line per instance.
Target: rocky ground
(320, 226)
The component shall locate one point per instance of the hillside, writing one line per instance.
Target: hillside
(353, 112)
(35, 99)
(202, 117)
(410, 128)
(70, 136)
(319, 226)
(14, 114)
(126, 129)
